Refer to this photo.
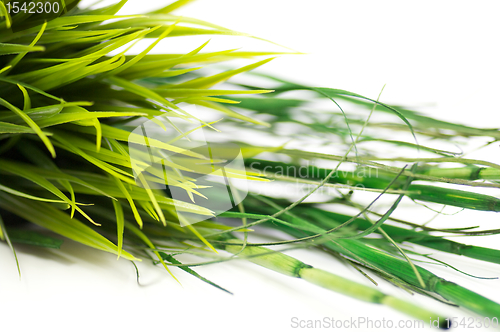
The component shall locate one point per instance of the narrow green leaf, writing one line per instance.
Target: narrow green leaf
(5, 236)
(34, 238)
(120, 225)
(172, 260)
(59, 222)
(6, 49)
(9, 128)
(20, 56)
(30, 123)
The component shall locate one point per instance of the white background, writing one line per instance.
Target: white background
(440, 55)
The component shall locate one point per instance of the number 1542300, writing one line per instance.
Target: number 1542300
(33, 7)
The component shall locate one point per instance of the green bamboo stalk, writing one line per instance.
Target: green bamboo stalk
(402, 270)
(330, 220)
(466, 173)
(292, 267)
(376, 179)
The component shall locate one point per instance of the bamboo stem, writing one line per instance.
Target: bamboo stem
(290, 266)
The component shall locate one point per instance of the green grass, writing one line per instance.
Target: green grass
(66, 115)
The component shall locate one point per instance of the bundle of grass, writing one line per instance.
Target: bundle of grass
(69, 154)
